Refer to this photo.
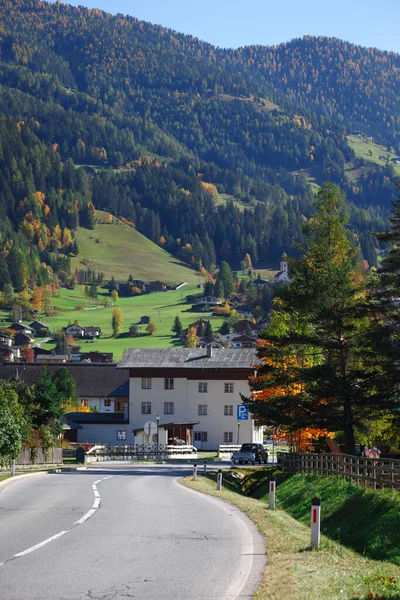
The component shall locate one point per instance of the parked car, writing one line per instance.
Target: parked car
(250, 453)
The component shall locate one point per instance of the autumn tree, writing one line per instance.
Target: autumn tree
(114, 296)
(117, 321)
(27, 354)
(151, 328)
(191, 338)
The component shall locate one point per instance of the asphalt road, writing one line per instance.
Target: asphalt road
(111, 534)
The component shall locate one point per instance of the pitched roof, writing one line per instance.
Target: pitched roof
(188, 358)
(122, 391)
(92, 379)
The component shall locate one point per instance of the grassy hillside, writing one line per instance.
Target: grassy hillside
(370, 153)
(122, 250)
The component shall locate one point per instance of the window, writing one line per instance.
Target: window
(107, 402)
(146, 408)
(169, 383)
(121, 435)
(228, 410)
(200, 436)
(146, 383)
(229, 387)
(203, 409)
(228, 437)
(202, 387)
(84, 402)
(168, 408)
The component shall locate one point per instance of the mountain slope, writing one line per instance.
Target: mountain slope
(168, 122)
(118, 250)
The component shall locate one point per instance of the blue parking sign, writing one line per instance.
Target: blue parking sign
(242, 412)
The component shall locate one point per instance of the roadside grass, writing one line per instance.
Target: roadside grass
(120, 250)
(294, 572)
(367, 521)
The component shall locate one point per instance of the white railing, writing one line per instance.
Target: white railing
(142, 452)
(226, 450)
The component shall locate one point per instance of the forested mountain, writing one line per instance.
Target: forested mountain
(114, 113)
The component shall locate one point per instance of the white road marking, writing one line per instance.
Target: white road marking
(85, 517)
(36, 546)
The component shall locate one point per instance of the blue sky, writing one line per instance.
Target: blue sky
(234, 23)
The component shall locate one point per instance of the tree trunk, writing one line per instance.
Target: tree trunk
(349, 438)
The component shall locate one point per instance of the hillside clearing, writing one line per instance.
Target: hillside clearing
(120, 250)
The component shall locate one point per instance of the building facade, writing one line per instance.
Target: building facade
(199, 387)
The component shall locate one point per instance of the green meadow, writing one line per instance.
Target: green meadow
(161, 307)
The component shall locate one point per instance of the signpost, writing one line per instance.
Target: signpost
(150, 428)
(242, 412)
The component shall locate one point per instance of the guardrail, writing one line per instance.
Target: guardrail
(141, 452)
(367, 472)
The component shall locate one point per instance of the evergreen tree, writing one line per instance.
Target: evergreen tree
(177, 327)
(225, 329)
(226, 277)
(319, 368)
(8, 295)
(208, 333)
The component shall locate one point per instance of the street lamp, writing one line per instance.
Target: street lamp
(238, 435)
(158, 421)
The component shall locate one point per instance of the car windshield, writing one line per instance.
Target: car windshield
(249, 447)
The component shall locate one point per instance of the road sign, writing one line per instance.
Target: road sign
(150, 428)
(242, 412)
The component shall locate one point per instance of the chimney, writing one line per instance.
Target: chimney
(209, 351)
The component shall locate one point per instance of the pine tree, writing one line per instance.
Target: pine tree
(177, 327)
(208, 333)
(319, 368)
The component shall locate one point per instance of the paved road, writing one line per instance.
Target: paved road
(116, 533)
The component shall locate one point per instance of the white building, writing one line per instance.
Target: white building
(283, 275)
(193, 394)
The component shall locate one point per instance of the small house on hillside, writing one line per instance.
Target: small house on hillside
(20, 327)
(38, 326)
(260, 283)
(76, 331)
(144, 320)
(5, 339)
(8, 353)
(22, 339)
(156, 286)
(244, 326)
(243, 341)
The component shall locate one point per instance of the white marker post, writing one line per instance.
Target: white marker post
(13, 467)
(315, 522)
(272, 491)
(205, 469)
(85, 459)
(219, 480)
(194, 472)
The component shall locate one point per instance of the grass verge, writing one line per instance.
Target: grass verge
(294, 572)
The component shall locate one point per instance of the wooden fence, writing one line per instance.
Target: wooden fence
(367, 472)
(38, 456)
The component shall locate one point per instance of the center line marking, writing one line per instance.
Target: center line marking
(32, 548)
(85, 517)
